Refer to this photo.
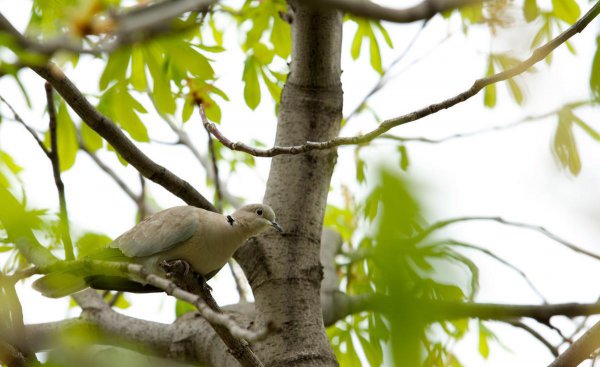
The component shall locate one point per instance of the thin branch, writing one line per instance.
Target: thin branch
(497, 258)
(538, 55)
(32, 132)
(580, 350)
(526, 119)
(10, 356)
(367, 9)
(384, 77)
(553, 349)
(441, 224)
(114, 136)
(60, 187)
(104, 167)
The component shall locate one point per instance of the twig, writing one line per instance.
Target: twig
(526, 119)
(383, 78)
(32, 132)
(495, 257)
(367, 9)
(422, 235)
(538, 55)
(553, 349)
(141, 199)
(10, 356)
(54, 158)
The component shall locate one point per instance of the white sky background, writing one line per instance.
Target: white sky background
(508, 173)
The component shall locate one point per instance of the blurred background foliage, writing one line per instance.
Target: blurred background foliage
(387, 249)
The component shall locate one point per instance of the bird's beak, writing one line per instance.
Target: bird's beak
(277, 227)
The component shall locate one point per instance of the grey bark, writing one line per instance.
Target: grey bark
(284, 271)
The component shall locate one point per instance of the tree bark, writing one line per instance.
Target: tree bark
(284, 270)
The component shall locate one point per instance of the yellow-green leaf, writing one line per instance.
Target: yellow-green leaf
(567, 10)
(66, 137)
(530, 10)
(281, 38)
(138, 71)
(251, 85)
(90, 138)
(116, 67)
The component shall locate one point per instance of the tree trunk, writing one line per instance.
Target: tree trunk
(284, 271)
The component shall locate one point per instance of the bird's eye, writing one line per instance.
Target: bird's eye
(259, 211)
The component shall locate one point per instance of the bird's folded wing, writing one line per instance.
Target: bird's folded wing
(159, 232)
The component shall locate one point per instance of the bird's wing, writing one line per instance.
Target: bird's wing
(159, 232)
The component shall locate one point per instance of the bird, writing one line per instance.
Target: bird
(204, 239)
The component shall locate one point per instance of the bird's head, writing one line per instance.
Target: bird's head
(256, 218)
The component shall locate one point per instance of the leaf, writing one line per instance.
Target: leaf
(564, 147)
(403, 157)
(484, 347)
(66, 138)
(138, 70)
(385, 34)
(184, 57)
(125, 115)
(567, 10)
(262, 54)
(91, 242)
(515, 91)
(595, 74)
(183, 308)
(374, 355)
(116, 67)
(357, 41)
(188, 109)
(489, 95)
(360, 170)
(281, 38)
(251, 86)
(530, 10)
(161, 89)
(273, 87)
(90, 138)
(375, 52)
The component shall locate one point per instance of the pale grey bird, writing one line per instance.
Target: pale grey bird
(206, 240)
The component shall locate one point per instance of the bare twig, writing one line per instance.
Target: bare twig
(526, 119)
(60, 187)
(495, 257)
(441, 224)
(538, 55)
(32, 132)
(367, 9)
(384, 77)
(553, 349)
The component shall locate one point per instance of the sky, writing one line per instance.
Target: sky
(509, 173)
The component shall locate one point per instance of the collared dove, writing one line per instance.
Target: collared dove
(204, 239)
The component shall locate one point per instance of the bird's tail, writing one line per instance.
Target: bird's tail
(59, 284)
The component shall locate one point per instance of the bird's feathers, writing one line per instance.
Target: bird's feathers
(159, 232)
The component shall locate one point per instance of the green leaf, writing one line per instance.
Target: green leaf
(374, 355)
(251, 85)
(273, 87)
(595, 74)
(262, 54)
(375, 52)
(188, 109)
(484, 347)
(385, 34)
(530, 10)
(66, 137)
(489, 93)
(515, 91)
(281, 38)
(125, 107)
(184, 57)
(116, 67)
(357, 41)
(90, 138)
(403, 157)
(565, 147)
(90, 242)
(161, 89)
(138, 70)
(183, 308)
(567, 10)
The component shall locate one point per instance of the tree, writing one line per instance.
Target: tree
(156, 57)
